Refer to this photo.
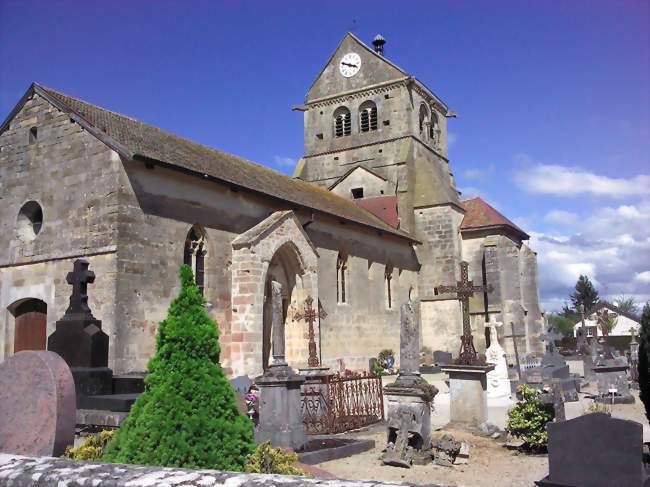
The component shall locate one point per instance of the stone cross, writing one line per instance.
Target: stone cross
(514, 343)
(399, 453)
(277, 324)
(581, 344)
(464, 290)
(310, 316)
(550, 337)
(79, 279)
(409, 340)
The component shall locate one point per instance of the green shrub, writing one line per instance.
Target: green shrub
(267, 459)
(187, 416)
(596, 407)
(92, 447)
(527, 419)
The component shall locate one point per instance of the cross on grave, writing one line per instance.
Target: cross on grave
(464, 290)
(550, 338)
(79, 279)
(399, 453)
(514, 342)
(309, 315)
(582, 343)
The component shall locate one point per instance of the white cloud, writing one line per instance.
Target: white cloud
(574, 181)
(561, 217)
(610, 246)
(478, 174)
(285, 162)
(643, 277)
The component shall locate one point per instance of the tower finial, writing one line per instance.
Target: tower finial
(378, 42)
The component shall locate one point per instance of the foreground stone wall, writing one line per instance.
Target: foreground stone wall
(18, 471)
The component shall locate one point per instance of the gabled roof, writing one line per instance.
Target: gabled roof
(353, 169)
(384, 207)
(136, 140)
(481, 216)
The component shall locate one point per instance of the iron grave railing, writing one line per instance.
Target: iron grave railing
(338, 403)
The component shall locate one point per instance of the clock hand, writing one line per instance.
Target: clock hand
(348, 64)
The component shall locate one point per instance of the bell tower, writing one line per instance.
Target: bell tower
(363, 111)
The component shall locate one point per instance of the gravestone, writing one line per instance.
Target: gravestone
(594, 450)
(498, 382)
(79, 339)
(37, 404)
(442, 358)
(409, 398)
(612, 383)
(280, 414)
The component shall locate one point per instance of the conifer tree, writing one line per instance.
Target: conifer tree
(187, 416)
(644, 360)
(585, 293)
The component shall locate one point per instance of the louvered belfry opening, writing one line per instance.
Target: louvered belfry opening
(342, 122)
(368, 117)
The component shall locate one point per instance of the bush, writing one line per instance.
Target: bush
(267, 459)
(92, 447)
(644, 360)
(527, 419)
(187, 416)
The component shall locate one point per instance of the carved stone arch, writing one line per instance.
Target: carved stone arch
(275, 249)
(424, 120)
(195, 251)
(342, 122)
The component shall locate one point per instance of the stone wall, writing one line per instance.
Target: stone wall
(74, 179)
(18, 471)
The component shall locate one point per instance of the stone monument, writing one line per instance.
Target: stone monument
(409, 398)
(280, 415)
(611, 376)
(79, 339)
(37, 404)
(498, 381)
(467, 377)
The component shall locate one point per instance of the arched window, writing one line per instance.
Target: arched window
(342, 122)
(367, 116)
(434, 130)
(341, 271)
(194, 255)
(424, 120)
(30, 220)
(388, 276)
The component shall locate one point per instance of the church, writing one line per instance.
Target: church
(370, 219)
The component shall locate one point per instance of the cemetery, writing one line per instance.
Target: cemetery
(446, 427)
(353, 312)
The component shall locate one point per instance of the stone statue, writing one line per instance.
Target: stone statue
(277, 324)
(498, 383)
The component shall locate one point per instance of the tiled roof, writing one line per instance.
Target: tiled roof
(139, 140)
(479, 216)
(384, 207)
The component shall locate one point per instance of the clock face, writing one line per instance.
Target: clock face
(350, 64)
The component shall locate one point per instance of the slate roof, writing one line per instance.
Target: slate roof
(481, 216)
(137, 140)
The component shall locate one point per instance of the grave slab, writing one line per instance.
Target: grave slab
(37, 404)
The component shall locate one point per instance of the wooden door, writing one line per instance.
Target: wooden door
(30, 330)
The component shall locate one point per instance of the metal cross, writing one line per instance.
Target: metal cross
(310, 316)
(514, 343)
(79, 279)
(464, 290)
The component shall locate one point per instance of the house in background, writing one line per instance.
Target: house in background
(621, 334)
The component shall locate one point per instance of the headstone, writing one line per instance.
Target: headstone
(595, 450)
(498, 383)
(409, 398)
(612, 383)
(445, 450)
(280, 414)
(37, 404)
(79, 339)
(442, 358)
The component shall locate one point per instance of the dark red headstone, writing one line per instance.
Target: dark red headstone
(37, 404)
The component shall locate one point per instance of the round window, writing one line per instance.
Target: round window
(30, 220)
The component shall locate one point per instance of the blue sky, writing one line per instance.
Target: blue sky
(553, 98)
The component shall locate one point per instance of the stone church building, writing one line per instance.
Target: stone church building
(370, 218)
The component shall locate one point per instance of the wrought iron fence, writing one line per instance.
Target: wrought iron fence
(338, 403)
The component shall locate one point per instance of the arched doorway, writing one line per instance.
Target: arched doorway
(30, 331)
(286, 269)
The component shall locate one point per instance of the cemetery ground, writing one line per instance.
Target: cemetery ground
(490, 461)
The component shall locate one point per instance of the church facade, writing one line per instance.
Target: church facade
(370, 219)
